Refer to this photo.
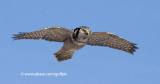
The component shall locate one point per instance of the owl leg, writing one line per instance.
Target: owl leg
(63, 54)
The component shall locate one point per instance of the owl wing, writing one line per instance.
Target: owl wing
(55, 33)
(112, 41)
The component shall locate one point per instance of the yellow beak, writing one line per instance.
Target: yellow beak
(88, 32)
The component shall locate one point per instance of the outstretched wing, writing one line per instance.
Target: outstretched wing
(112, 41)
(55, 33)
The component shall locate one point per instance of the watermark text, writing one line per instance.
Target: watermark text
(44, 74)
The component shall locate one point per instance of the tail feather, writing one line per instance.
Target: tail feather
(63, 54)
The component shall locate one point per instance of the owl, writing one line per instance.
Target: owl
(76, 39)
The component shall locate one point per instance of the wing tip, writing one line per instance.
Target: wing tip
(17, 36)
(133, 48)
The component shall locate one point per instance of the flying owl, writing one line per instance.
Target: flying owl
(76, 39)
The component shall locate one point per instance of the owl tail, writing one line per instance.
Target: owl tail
(64, 54)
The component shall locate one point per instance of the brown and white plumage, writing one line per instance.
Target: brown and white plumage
(77, 39)
(55, 33)
(112, 41)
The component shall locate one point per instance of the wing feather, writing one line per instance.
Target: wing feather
(55, 33)
(111, 40)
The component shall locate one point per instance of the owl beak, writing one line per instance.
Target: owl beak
(88, 32)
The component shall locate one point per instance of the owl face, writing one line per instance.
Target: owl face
(81, 33)
(86, 31)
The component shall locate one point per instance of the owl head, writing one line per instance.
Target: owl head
(81, 33)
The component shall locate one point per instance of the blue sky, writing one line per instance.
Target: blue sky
(135, 20)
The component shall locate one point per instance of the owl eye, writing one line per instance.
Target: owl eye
(83, 31)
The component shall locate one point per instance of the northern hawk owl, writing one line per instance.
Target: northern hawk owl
(76, 39)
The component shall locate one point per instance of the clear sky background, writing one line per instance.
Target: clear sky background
(135, 20)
